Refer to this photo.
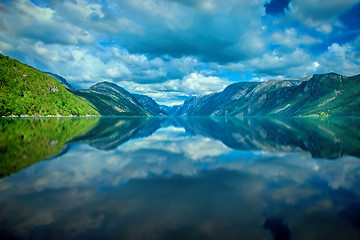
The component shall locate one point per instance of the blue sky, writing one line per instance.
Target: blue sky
(173, 49)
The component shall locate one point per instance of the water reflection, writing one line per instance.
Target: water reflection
(111, 132)
(322, 138)
(24, 142)
(192, 178)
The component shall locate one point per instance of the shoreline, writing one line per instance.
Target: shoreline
(47, 116)
(84, 116)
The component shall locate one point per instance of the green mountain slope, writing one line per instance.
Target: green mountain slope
(26, 90)
(326, 94)
(323, 94)
(112, 100)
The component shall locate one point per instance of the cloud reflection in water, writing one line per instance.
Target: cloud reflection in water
(183, 182)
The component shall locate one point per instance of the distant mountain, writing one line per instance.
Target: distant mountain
(171, 111)
(61, 80)
(322, 94)
(27, 91)
(110, 99)
(149, 104)
(213, 103)
(145, 101)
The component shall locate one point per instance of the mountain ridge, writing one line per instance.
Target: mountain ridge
(61, 80)
(111, 99)
(114, 91)
(26, 91)
(327, 94)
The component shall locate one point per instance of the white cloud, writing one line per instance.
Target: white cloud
(43, 24)
(46, 52)
(199, 84)
(92, 16)
(30, 10)
(315, 65)
(290, 37)
(117, 71)
(340, 59)
(4, 46)
(317, 13)
(277, 63)
(184, 65)
(171, 49)
(250, 44)
(133, 59)
(84, 9)
(170, 92)
(267, 78)
(325, 28)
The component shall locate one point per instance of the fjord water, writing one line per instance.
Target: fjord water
(180, 178)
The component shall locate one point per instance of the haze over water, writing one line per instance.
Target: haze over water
(180, 178)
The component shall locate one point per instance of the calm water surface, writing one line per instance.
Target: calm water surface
(180, 178)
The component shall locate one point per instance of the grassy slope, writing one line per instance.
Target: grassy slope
(26, 90)
(328, 94)
(315, 100)
(112, 105)
(24, 142)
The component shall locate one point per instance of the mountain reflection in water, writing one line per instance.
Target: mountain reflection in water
(180, 178)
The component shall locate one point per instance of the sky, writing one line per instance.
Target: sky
(174, 49)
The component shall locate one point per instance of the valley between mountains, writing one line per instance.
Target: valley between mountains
(26, 91)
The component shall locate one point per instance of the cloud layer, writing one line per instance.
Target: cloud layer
(154, 44)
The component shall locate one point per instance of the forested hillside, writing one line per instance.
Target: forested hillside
(25, 90)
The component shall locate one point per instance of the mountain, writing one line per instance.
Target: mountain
(145, 101)
(149, 104)
(61, 80)
(25, 90)
(111, 99)
(322, 94)
(213, 103)
(171, 111)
